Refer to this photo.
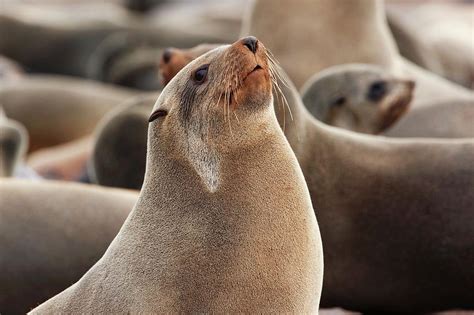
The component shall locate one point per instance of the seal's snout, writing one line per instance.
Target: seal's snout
(251, 43)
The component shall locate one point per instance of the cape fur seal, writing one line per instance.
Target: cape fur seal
(363, 37)
(13, 145)
(50, 234)
(216, 229)
(358, 97)
(56, 109)
(380, 203)
(119, 153)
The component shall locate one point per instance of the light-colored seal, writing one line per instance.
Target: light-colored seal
(50, 234)
(358, 97)
(391, 211)
(56, 109)
(333, 32)
(119, 152)
(216, 228)
(13, 145)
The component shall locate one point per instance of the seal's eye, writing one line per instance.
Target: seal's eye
(156, 114)
(377, 90)
(338, 101)
(200, 74)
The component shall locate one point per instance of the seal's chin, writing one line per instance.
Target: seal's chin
(396, 107)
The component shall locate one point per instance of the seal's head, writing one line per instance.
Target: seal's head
(218, 104)
(173, 59)
(358, 97)
(13, 144)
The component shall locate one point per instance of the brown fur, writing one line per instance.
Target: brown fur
(50, 234)
(224, 223)
(396, 215)
(332, 32)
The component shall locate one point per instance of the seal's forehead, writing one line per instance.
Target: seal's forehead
(172, 90)
(206, 58)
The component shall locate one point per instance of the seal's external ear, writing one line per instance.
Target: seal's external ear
(156, 114)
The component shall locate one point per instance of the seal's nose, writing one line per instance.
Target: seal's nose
(166, 57)
(251, 43)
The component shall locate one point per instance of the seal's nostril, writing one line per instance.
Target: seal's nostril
(251, 43)
(167, 55)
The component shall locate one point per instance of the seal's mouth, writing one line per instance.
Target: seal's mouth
(257, 68)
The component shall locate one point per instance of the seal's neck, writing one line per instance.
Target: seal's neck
(177, 184)
(311, 140)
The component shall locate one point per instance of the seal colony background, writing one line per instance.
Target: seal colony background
(79, 78)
